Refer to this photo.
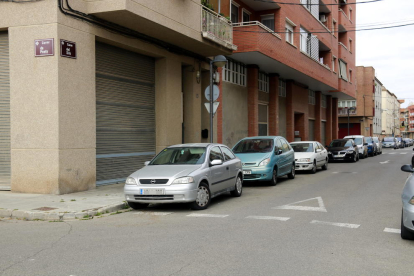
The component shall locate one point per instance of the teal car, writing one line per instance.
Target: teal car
(265, 158)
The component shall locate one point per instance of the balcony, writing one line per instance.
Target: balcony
(345, 54)
(347, 87)
(186, 24)
(343, 111)
(344, 23)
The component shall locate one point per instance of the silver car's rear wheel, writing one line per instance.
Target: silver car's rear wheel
(203, 198)
(238, 187)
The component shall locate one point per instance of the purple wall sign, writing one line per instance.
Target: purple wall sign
(67, 49)
(44, 47)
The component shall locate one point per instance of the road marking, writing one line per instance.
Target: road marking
(335, 172)
(152, 213)
(385, 162)
(392, 230)
(346, 225)
(391, 153)
(403, 152)
(269, 218)
(291, 206)
(206, 215)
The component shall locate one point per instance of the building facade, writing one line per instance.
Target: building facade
(90, 91)
(390, 114)
(409, 119)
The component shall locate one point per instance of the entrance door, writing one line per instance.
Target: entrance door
(125, 113)
(5, 169)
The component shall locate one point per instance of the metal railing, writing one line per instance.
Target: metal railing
(256, 23)
(217, 28)
(344, 111)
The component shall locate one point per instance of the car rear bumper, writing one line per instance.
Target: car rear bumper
(172, 194)
(408, 216)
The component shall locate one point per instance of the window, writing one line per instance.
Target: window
(263, 82)
(350, 75)
(282, 88)
(342, 70)
(350, 45)
(234, 13)
(235, 72)
(215, 154)
(246, 16)
(227, 153)
(334, 26)
(312, 99)
(304, 40)
(324, 101)
(333, 64)
(347, 104)
(263, 118)
(289, 32)
(269, 21)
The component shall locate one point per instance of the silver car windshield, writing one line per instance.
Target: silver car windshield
(180, 156)
(254, 146)
(302, 147)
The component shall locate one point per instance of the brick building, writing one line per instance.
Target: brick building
(410, 121)
(292, 65)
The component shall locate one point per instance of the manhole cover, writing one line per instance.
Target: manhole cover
(45, 209)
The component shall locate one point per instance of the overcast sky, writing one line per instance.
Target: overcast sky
(389, 51)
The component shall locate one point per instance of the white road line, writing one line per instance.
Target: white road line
(391, 153)
(291, 206)
(268, 218)
(403, 152)
(385, 162)
(346, 225)
(392, 230)
(206, 215)
(152, 213)
(335, 172)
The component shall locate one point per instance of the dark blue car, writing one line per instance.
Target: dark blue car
(372, 147)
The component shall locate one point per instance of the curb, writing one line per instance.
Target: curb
(59, 216)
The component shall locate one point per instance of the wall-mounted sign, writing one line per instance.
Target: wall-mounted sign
(44, 47)
(296, 133)
(67, 49)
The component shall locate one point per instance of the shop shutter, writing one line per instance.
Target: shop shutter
(125, 113)
(311, 130)
(5, 169)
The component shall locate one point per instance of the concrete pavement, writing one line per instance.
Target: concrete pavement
(105, 199)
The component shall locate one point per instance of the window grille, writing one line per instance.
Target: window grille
(312, 99)
(324, 101)
(235, 72)
(263, 82)
(282, 88)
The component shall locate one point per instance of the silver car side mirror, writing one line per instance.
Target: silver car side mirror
(407, 168)
(147, 163)
(216, 162)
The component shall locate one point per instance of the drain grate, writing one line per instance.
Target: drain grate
(45, 209)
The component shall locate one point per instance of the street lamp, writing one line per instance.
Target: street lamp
(353, 109)
(217, 62)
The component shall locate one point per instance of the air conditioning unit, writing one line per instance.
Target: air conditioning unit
(322, 18)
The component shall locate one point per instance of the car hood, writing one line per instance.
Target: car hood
(299, 155)
(338, 148)
(253, 157)
(165, 171)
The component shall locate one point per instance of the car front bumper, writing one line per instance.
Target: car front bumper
(304, 166)
(341, 157)
(179, 193)
(257, 173)
(408, 216)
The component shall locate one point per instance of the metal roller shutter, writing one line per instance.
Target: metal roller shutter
(5, 169)
(311, 130)
(125, 113)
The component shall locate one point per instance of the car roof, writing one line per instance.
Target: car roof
(195, 145)
(299, 142)
(354, 136)
(263, 137)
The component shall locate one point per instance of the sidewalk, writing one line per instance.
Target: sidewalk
(105, 199)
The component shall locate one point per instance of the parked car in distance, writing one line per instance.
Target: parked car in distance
(361, 143)
(389, 142)
(408, 142)
(400, 142)
(265, 158)
(192, 173)
(407, 216)
(372, 147)
(309, 156)
(343, 149)
(378, 144)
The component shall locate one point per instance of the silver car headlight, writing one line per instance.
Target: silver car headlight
(304, 160)
(130, 181)
(184, 180)
(264, 162)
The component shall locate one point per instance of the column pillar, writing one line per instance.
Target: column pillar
(273, 104)
(335, 118)
(253, 99)
(290, 116)
(318, 122)
(192, 102)
(219, 114)
(328, 135)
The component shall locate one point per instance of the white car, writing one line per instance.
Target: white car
(361, 143)
(309, 156)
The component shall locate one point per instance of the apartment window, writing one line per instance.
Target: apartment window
(235, 72)
(347, 104)
(269, 21)
(263, 82)
(246, 16)
(350, 45)
(350, 14)
(282, 88)
(324, 101)
(350, 75)
(312, 99)
(334, 26)
(263, 120)
(342, 70)
(289, 32)
(305, 41)
(306, 3)
(333, 64)
(234, 13)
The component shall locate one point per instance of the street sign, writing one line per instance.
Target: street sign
(216, 92)
(215, 106)
(44, 47)
(67, 49)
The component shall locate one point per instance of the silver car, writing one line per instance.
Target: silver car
(407, 217)
(192, 173)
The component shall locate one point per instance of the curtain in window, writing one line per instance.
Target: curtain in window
(342, 70)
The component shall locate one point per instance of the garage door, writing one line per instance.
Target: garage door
(311, 130)
(125, 113)
(4, 113)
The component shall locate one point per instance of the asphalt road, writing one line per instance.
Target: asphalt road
(343, 221)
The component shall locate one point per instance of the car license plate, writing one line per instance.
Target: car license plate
(152, 191)
(247, 172)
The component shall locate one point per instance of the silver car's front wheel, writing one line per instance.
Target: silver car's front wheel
(238, 187)
(203, 198)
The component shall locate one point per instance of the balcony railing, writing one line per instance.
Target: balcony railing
(344, 111)
(217, 28)
(256, 23)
